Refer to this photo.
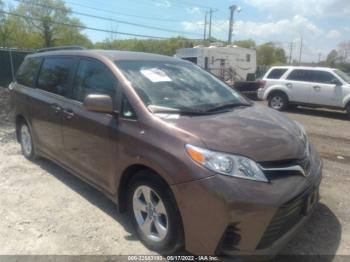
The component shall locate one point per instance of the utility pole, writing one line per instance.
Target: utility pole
(210, 20)
(301, 49)
(232, 8)
(205, 26)
(290, 52)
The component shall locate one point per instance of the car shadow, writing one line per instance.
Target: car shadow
(318, 239)
(340, 115)
(91, 194)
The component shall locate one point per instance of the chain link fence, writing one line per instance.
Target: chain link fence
(10, 60)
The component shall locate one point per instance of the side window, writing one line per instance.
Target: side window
(324, 77)
(127, 110)
(301, 75)
(93, 77)
(247, 58)
(27, 72)
(276, 73)
(54, 73)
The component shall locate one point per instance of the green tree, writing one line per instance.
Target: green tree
(269, 54)
(332, 58)
(165, 47)
(249, 43)
(49, 19)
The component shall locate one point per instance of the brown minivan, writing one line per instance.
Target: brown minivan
(197, 165)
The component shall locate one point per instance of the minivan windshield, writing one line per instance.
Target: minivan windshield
(179, 85)
(342, 75)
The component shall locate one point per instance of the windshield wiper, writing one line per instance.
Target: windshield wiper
(169, 110)
(226, 106)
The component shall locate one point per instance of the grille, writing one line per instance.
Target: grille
(286, 217)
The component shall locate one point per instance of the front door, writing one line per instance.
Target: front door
(326, 89)
(88, 144)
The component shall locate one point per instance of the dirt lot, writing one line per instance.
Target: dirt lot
(45, 210)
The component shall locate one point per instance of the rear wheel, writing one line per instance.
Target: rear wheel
(348, 110)
(278, 101)
(26, 141)
(154, 214)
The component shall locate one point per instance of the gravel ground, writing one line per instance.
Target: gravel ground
(45, 210)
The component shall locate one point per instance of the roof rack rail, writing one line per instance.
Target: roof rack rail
(56, 48)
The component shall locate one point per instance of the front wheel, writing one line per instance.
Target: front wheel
(278, 101)
(26, 141)
(348, 110)
(154, 214)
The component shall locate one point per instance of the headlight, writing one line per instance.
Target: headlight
(226, 164)
(304, 138)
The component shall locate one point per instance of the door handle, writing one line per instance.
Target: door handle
(68, 113)
(317, 88)
(289, 85)
(56, 108)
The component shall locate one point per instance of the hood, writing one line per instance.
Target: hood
(257, 132)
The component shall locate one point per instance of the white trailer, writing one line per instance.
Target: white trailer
(227, 62)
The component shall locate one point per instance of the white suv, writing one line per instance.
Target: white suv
(308, 86)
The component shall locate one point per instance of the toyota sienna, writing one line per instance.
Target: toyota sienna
(195, 164)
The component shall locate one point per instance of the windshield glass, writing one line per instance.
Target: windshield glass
(177, 85)
(342, 75)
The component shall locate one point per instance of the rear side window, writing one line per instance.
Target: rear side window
(93, 77)
(301, 75)
(54, 73)
(27, 71)
(276, 73)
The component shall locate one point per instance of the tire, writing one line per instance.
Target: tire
(278, 101)
(348, 111)
(151, 203)
(26, 141)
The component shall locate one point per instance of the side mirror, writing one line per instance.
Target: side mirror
(99, 103)
(336, 82)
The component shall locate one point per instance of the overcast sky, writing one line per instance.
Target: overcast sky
(321, 23)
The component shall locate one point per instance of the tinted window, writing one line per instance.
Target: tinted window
(54, 73)
(276, 73)
(324, 77)
(92, 77)
(301, 75)
(27, 71)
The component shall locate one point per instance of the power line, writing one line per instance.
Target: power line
(107, 19)
(85, 27)
(179, 3)
(124, 14)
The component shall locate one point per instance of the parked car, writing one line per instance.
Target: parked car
(195, 164)
(307, 86)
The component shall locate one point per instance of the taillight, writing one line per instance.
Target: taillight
(262, 83)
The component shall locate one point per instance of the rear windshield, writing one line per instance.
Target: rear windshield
(276, 73)
(177, 85)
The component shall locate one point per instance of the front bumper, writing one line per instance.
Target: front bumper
(261, 93)
(220, 207)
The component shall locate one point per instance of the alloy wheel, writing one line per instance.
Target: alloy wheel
(26, 140)
(277, 102)
(150, 213)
